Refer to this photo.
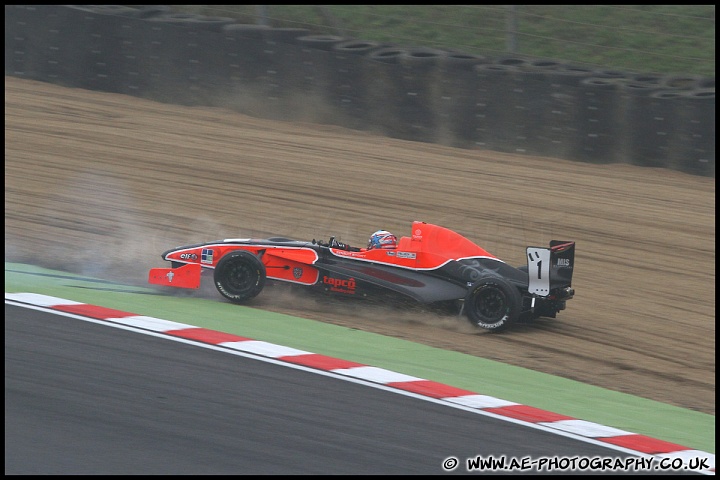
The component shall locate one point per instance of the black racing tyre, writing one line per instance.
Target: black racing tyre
(493, 303)
(239, 276)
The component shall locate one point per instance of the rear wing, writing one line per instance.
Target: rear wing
(550, 268)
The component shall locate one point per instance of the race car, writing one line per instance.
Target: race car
(433, 265)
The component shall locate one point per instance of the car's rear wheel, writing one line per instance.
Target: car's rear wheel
(493, 303)
(239, 276)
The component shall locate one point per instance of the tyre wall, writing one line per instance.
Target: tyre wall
(508, 104)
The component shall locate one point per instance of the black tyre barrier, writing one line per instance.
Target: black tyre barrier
(666, 94)
(35, 41)
(604, 83)
(321, 42)
(247, 60)
(553, 97)
(308, 78)
(457, 98)
(177, 60)
(254, 67)
(567, 74)
(110, 40)
(193, 21)
(109, 59)
(682, 82)
(647, 79)
(547, 100)
(454, 61)
(285, 35)
(295, 82)
(708, 82)
(638, 87)
(149, 11)
(578, 69)
(498, 118)
(693, 150)
(182, 59)
(384, 89)
(73, 47)
(613, 74)
(386, 55)
(512, 61)
(139, 57)
(418, 107)
(545, 64)
(701, 94)
(496, 68)
(267, 70)
(648, 123)
(348, 93)
(107, 9)
(596, 127)
(420, 56)
(24, 41)
(538, 126)
(357, 47)
(399, 91)
(571, 73)
(245, 31)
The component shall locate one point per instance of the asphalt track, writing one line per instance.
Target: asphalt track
(82, 398)
(500, 381)
(27, 421)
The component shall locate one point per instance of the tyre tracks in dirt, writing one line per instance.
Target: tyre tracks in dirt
(102, 184)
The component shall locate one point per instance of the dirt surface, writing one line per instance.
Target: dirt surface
(101, 184)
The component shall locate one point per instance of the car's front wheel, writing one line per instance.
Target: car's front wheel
(493, 303)
(239, 276)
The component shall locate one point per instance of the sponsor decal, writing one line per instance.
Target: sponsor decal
(390, 253)
(297, 273)
(410, 255)
(188, 256)
(563, 262)
(347, 253)
(417, 235)
(471, 270)
(207, 255)
(562, 247)
(340, 285)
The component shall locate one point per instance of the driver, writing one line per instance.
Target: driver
(382, 239)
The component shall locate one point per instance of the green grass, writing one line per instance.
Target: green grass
(670, 39)
(626, 412)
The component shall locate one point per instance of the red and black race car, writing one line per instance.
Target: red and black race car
(434, 265)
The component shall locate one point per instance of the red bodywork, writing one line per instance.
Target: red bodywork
(427, 248)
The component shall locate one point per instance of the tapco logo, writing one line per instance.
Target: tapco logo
(345, 253)
(340, 285)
